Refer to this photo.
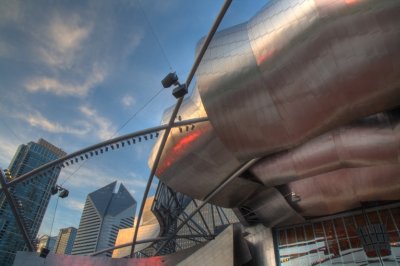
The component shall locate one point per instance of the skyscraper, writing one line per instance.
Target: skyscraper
(32, 196)
(106, 210)
(47, 242)
(65, 240)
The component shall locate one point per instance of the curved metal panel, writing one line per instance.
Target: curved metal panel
(372, 141)
(298, 69)
(195, 161)
(345, 189)
(271, 208)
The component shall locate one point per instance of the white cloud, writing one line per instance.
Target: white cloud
(64, 40)
(128, 101)
(68, 88)
(104, 128)
(37, 120)
(7, 151)
(74, 204)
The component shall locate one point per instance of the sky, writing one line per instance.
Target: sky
(79, 72)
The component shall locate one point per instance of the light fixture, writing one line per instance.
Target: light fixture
(169, 80)
(180, 91)
(63, 193)
(172, 79)
(44, 252)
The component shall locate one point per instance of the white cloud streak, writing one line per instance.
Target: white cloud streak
(104, 128)
(74, 205)
(68, 88)
(37, 120)
(128, 101)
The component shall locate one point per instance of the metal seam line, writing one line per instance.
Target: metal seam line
(10, 199)
(101, 145)
(196, 64)
(243, 168)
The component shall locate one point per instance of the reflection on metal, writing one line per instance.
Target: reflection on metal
(345, 189)
(371, 141)
(336, 240)
(198, 154)
(299, 68)
(270, 208)
(148, 228)
(295, 86)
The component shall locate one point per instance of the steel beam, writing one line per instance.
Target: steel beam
(20, 223)
(102, 145)
(209, 197)
(193, 70)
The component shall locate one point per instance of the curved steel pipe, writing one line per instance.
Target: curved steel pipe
(372, 141)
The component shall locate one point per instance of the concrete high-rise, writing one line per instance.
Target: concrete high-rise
(32, 196)
(106, 210)
(65, 240)
(47, 242)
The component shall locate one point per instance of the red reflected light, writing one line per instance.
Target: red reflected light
(177, 150)
(264, 56)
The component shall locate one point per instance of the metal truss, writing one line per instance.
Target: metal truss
(174, 216)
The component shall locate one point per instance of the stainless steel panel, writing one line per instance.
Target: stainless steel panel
(300, 68)
(195, 162)
(296, 74)
(271, 208)
(371, 141)
(345, 189)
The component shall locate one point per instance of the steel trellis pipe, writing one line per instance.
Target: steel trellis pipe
(196, 64)
(243, 168)
(10, 199)
(101, 145)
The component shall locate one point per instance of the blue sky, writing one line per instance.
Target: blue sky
(73, 72)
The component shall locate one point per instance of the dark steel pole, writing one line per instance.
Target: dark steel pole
(208, 198)
(196, 64)
(10, 199)
(101, 145)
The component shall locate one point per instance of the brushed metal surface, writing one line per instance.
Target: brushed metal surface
(345, 189)
(195, 162)
(371, 141)
(288, 85)
(298, 69)
(271, 208)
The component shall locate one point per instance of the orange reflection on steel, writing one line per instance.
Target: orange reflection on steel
(177, 150)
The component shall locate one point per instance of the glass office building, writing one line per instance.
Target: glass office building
(32, 196)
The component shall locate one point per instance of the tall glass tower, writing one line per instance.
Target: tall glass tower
(106, 210)
(32, 196)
